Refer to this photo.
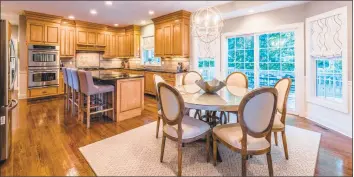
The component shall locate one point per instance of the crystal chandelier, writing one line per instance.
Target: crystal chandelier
(206, 25)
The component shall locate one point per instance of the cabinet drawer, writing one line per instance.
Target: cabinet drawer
(39, 92)
(168, 76)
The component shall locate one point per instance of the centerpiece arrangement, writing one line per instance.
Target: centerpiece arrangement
(210, 86)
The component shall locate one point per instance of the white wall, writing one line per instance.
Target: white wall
(332, 119)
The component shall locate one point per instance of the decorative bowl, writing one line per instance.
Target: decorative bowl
(210, 86)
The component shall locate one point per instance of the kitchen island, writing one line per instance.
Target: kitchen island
(129, 92)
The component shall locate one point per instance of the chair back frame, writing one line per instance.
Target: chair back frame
(186, 75)
(241, 73)
(285, 102)
(157, 92)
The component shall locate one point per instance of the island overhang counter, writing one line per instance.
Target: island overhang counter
(129, 92)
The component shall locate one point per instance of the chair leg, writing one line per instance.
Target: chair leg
(228, 117)
(162, 147)
(244, 161)
(276, 138)
(179, 158)
(207, 146)
(158, 126)
(195, 114)
(215, 150)
(78, 106)
(285, 144)
(73, 97)
(114, 107)
(270, 165)
(88, 112)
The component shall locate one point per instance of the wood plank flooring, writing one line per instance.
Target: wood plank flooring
(46, 140)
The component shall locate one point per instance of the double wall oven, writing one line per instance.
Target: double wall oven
(43, 66)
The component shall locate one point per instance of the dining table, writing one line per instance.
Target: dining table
(226, 99)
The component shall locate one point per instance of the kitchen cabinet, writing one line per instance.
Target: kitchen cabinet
(90, 39)
(67, 41)
(41, 32)
(172, 34)
(111, 50)
(174, 79)
(132, 42)
(101, 40)
(149, 83)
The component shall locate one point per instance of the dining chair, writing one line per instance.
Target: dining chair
(190, 78)
(157, 80)
(177, 126)
(235, 79)
(89, 89)
(252, 136)
(283, 88)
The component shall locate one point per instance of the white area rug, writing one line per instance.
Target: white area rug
(137, 153)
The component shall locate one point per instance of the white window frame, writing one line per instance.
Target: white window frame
(298, 29)
(311, 65)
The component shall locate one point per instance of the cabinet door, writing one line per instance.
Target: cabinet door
(101, 39)
(114, 46)
(52, 33)
(121, 46)
(107, 51)
(167, 38)
(81, 37)
(159, 43)
(127, 51)
(149, 83)
(63, 42)
(177, 39)
(70, 44)
(136, 45)
(36, 32)
(91, 38)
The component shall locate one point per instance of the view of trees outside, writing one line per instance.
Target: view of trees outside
(329, 78)
(206, 67)
(149, 58)
(276, 59)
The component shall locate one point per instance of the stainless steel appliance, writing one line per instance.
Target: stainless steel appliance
(43, 66)
(41, 77)
(7, 77)
(43, 56)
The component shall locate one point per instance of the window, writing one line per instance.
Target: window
(206, 66)
(327, 59)
(264, 59)
(148, 52)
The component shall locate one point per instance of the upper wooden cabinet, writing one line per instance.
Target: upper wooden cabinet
(67, 41)
(172, 34)
(132, 41)
(111, 50)
(40, 32)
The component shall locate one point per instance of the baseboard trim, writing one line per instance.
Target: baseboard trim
(330, 128)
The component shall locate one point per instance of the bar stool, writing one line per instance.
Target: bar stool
(66, 87)
(76, 95)
(88, 89)
(70, 85)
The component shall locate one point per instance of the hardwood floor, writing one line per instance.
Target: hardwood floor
(46, 140)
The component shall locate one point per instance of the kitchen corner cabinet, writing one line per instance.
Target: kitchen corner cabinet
(132, 41)
(172, 34)
(67, 41)
(40, 32)
(111, 49)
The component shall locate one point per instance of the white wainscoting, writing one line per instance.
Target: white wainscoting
(332, 119)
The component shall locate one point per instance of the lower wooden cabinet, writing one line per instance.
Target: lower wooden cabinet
(47, 91)
(174, 79)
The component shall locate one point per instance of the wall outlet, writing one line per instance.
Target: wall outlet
(2, 120)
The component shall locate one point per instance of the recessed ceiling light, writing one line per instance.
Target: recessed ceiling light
(93, 11)
(251, 11)
(143, 22)
(151, 12)
(116, 24)
(108, 3)
(71, 17)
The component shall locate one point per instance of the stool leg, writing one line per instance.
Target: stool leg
(78, 106)
(73, 103)
(113, 105)
(88, 112)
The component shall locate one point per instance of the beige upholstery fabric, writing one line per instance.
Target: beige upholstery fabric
(258, 112)
(159, 112)
(157, 80)
(191, 77)
(277, 123)
(237, 79)
(232, 134)
(169, 103)
(190, 128)
(281, 87)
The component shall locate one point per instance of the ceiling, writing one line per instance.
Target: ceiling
(120, 12)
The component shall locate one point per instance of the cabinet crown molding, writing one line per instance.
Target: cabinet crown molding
(41, 16)
(181, 14)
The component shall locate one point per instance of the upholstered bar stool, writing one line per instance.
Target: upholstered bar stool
(88, 89)
(76, 96)
(66, 87)
(70, 86)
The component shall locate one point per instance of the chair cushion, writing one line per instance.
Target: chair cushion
(103, 89)
(277, 123)
(232, 134)
(191, 128)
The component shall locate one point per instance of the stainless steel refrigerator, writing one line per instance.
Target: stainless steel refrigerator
(8, 73)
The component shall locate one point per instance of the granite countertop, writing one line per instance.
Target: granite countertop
(151, 70)
(108, 75)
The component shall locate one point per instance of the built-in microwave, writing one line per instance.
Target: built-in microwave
(43, 56)
(43, 77)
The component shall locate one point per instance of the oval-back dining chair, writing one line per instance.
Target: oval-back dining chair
(157, 80)
(190, 78)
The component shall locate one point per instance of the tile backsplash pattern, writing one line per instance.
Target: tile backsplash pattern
(92, 59)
